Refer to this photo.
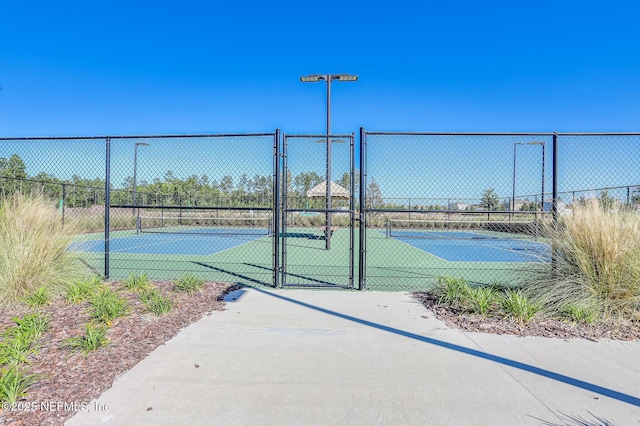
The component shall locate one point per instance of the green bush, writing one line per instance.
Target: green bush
(137, 283)
(39, 298)
(93, 339)
(107, 305)
(82, 290)
(13, 383)
(156, 303)
(188, 284)
(517, 306)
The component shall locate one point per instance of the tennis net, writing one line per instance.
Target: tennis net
(461, 229)
(224, 226)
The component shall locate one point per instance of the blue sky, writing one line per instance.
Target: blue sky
(95, 68)
(86, 68)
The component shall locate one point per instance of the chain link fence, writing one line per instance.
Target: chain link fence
(475, 206)
(405, 208)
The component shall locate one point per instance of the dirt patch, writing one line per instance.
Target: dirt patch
(76, 380)
(552, 328)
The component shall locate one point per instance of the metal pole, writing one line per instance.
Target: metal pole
(328, 215)
(542, 196)
(352, 206)
(554, 174)
(362, 216)
(513, 194)
(135, 170)
(276, 211)
(107, 201)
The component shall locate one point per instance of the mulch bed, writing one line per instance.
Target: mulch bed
(545, 327)
(73, 379)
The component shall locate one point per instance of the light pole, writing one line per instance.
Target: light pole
(135, 172)
(513, 194)
(328, 78)
(513, 199)
(541, 143)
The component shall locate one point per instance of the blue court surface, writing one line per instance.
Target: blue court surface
(460, 246)
(189, 244)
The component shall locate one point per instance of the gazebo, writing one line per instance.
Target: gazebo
(337, 191)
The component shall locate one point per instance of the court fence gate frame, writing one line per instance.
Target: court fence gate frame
(281, 227)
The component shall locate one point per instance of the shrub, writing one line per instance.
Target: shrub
(93, 339)
(597, 262)
(516, 305)
(482, 300)
(156, 303)
(188, 284)
(13, 383)
(83, 290)
(137, 283)
(452, 291)
(33, 248)
(40, 297)
(107, 305)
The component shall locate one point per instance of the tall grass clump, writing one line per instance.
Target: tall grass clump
(33, 248)
(596, 262)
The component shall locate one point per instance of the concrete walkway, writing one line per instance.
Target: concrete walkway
(302, 357)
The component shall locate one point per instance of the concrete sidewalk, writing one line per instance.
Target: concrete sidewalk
(303, 357)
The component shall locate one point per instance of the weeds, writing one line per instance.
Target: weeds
(188, 284)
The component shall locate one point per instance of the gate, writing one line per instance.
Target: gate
(318, 211)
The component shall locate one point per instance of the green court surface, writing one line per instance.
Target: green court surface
(391, 264)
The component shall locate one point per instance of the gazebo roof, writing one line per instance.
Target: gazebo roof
(320, 191)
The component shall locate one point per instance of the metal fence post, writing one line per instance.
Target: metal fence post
(554, 208)
(352, 206)
(107, 201)
(276, 208)
(362, 216)
(283, 196)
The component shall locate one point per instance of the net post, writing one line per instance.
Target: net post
(388, 230)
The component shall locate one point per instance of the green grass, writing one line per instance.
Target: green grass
(83, 290)
(107, 305)
(156, 303)
(33, 248)
(93, 339)
(13, 383)
(188, 284)
(137, 283)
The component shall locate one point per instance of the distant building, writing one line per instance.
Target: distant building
(458, 206)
